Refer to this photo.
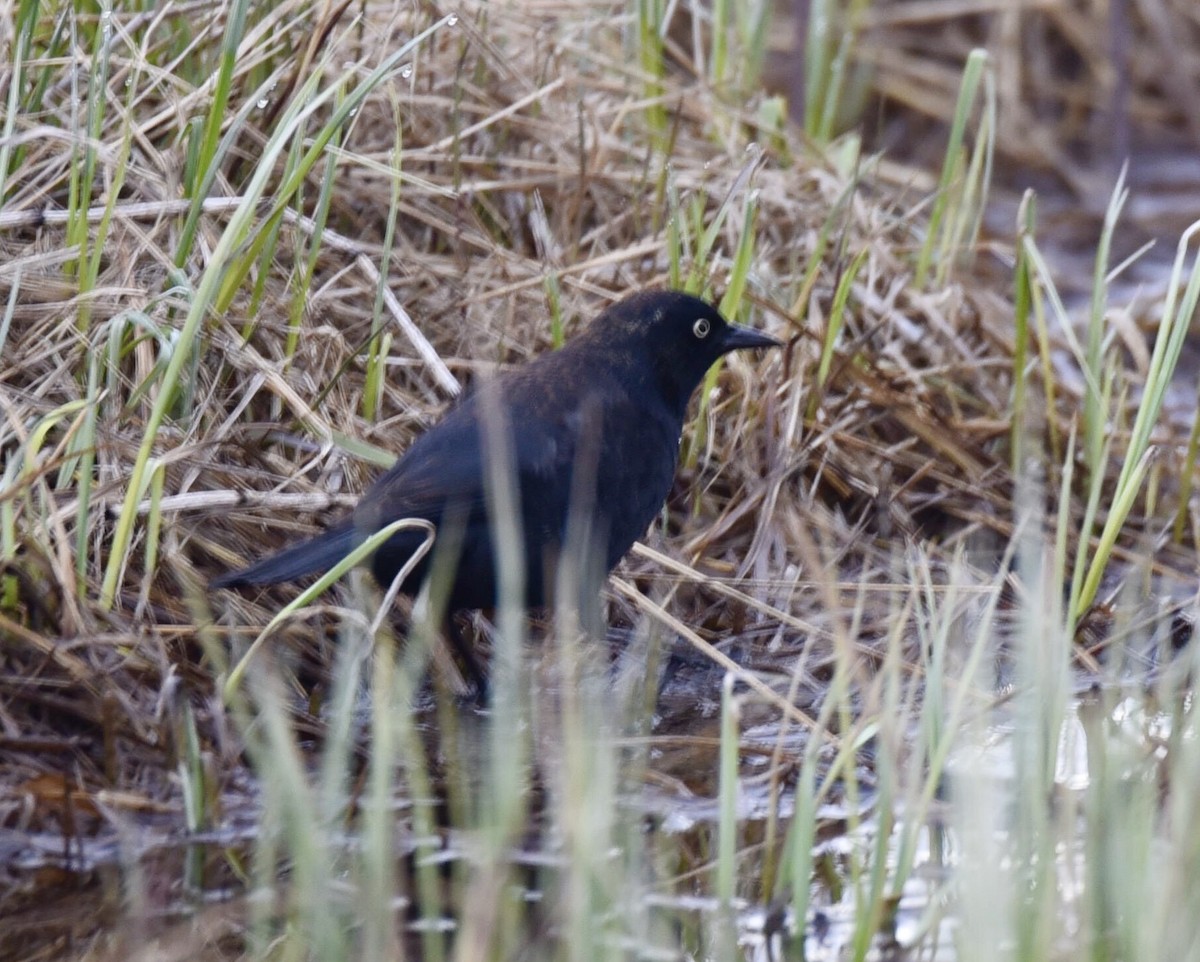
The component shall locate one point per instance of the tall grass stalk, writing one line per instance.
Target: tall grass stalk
(506, 761)
(830, 44)
(835, 219)
(302, 277)
(299, 277)
(734, 67)
(1172, 902)
(731, 300)
(801, 842)
(697, 278)
(726, 868)
(195, 789)
(154, 521)
(961, 191)
(1186, 482)
(753, 20)
(833, 325)
(24, 25)
(33, 449)
(967, 220)
(1168, 347)
(91, 265)
(651, 27)
(378, 875)
(718, 58)
(205, 161)
(377, 353)
(1095, 412)
(105, 357)
(678, 240)
(10, 308)
(80, 183)
(1023, 295)
(729, 306)
(429, 896)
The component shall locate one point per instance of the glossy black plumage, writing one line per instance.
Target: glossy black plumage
(612, 401)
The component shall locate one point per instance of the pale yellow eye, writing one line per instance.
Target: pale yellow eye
(701, 327)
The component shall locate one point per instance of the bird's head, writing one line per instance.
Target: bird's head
(678, 336)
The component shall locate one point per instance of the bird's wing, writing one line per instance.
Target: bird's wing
(444, 464)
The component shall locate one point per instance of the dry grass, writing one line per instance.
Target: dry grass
(1081, 86)
(532, 179)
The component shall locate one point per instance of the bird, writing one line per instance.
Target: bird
(593, 432)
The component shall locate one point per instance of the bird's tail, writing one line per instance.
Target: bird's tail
(308, 557)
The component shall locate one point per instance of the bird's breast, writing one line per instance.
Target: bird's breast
(634, 477)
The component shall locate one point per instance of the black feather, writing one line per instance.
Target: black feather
(306, 558)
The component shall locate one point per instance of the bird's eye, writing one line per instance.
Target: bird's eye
(701, 327)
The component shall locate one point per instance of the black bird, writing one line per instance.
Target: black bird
(593, 427)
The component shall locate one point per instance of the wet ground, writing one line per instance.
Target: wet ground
(77, 864)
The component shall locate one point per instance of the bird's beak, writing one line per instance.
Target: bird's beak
(738, 337)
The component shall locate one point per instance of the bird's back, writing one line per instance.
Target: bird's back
(590, 449)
